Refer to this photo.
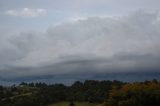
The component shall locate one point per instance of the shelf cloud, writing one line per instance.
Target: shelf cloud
(95, 44)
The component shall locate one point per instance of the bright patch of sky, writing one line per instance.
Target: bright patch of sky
(53, 12)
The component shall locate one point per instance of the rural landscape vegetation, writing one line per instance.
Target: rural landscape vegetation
(87, 93)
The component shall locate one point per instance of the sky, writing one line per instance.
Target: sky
(59, 37)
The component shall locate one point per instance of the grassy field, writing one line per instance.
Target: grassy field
(76, 104)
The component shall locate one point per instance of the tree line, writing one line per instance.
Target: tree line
(110, 93)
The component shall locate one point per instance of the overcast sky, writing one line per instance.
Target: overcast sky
(50, 37)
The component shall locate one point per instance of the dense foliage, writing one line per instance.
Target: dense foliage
(135, 94)
(40, 94)
(114, 93)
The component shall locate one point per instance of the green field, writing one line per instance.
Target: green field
(76, 104)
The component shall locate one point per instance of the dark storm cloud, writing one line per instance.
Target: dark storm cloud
(94, 45)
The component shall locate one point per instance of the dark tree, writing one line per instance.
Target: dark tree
(71, 104)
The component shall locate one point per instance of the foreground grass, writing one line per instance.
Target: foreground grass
(76, 104)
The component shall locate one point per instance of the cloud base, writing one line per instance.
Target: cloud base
(95, 44)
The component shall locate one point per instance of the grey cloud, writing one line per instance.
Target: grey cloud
(115, 44)
(87, 68)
